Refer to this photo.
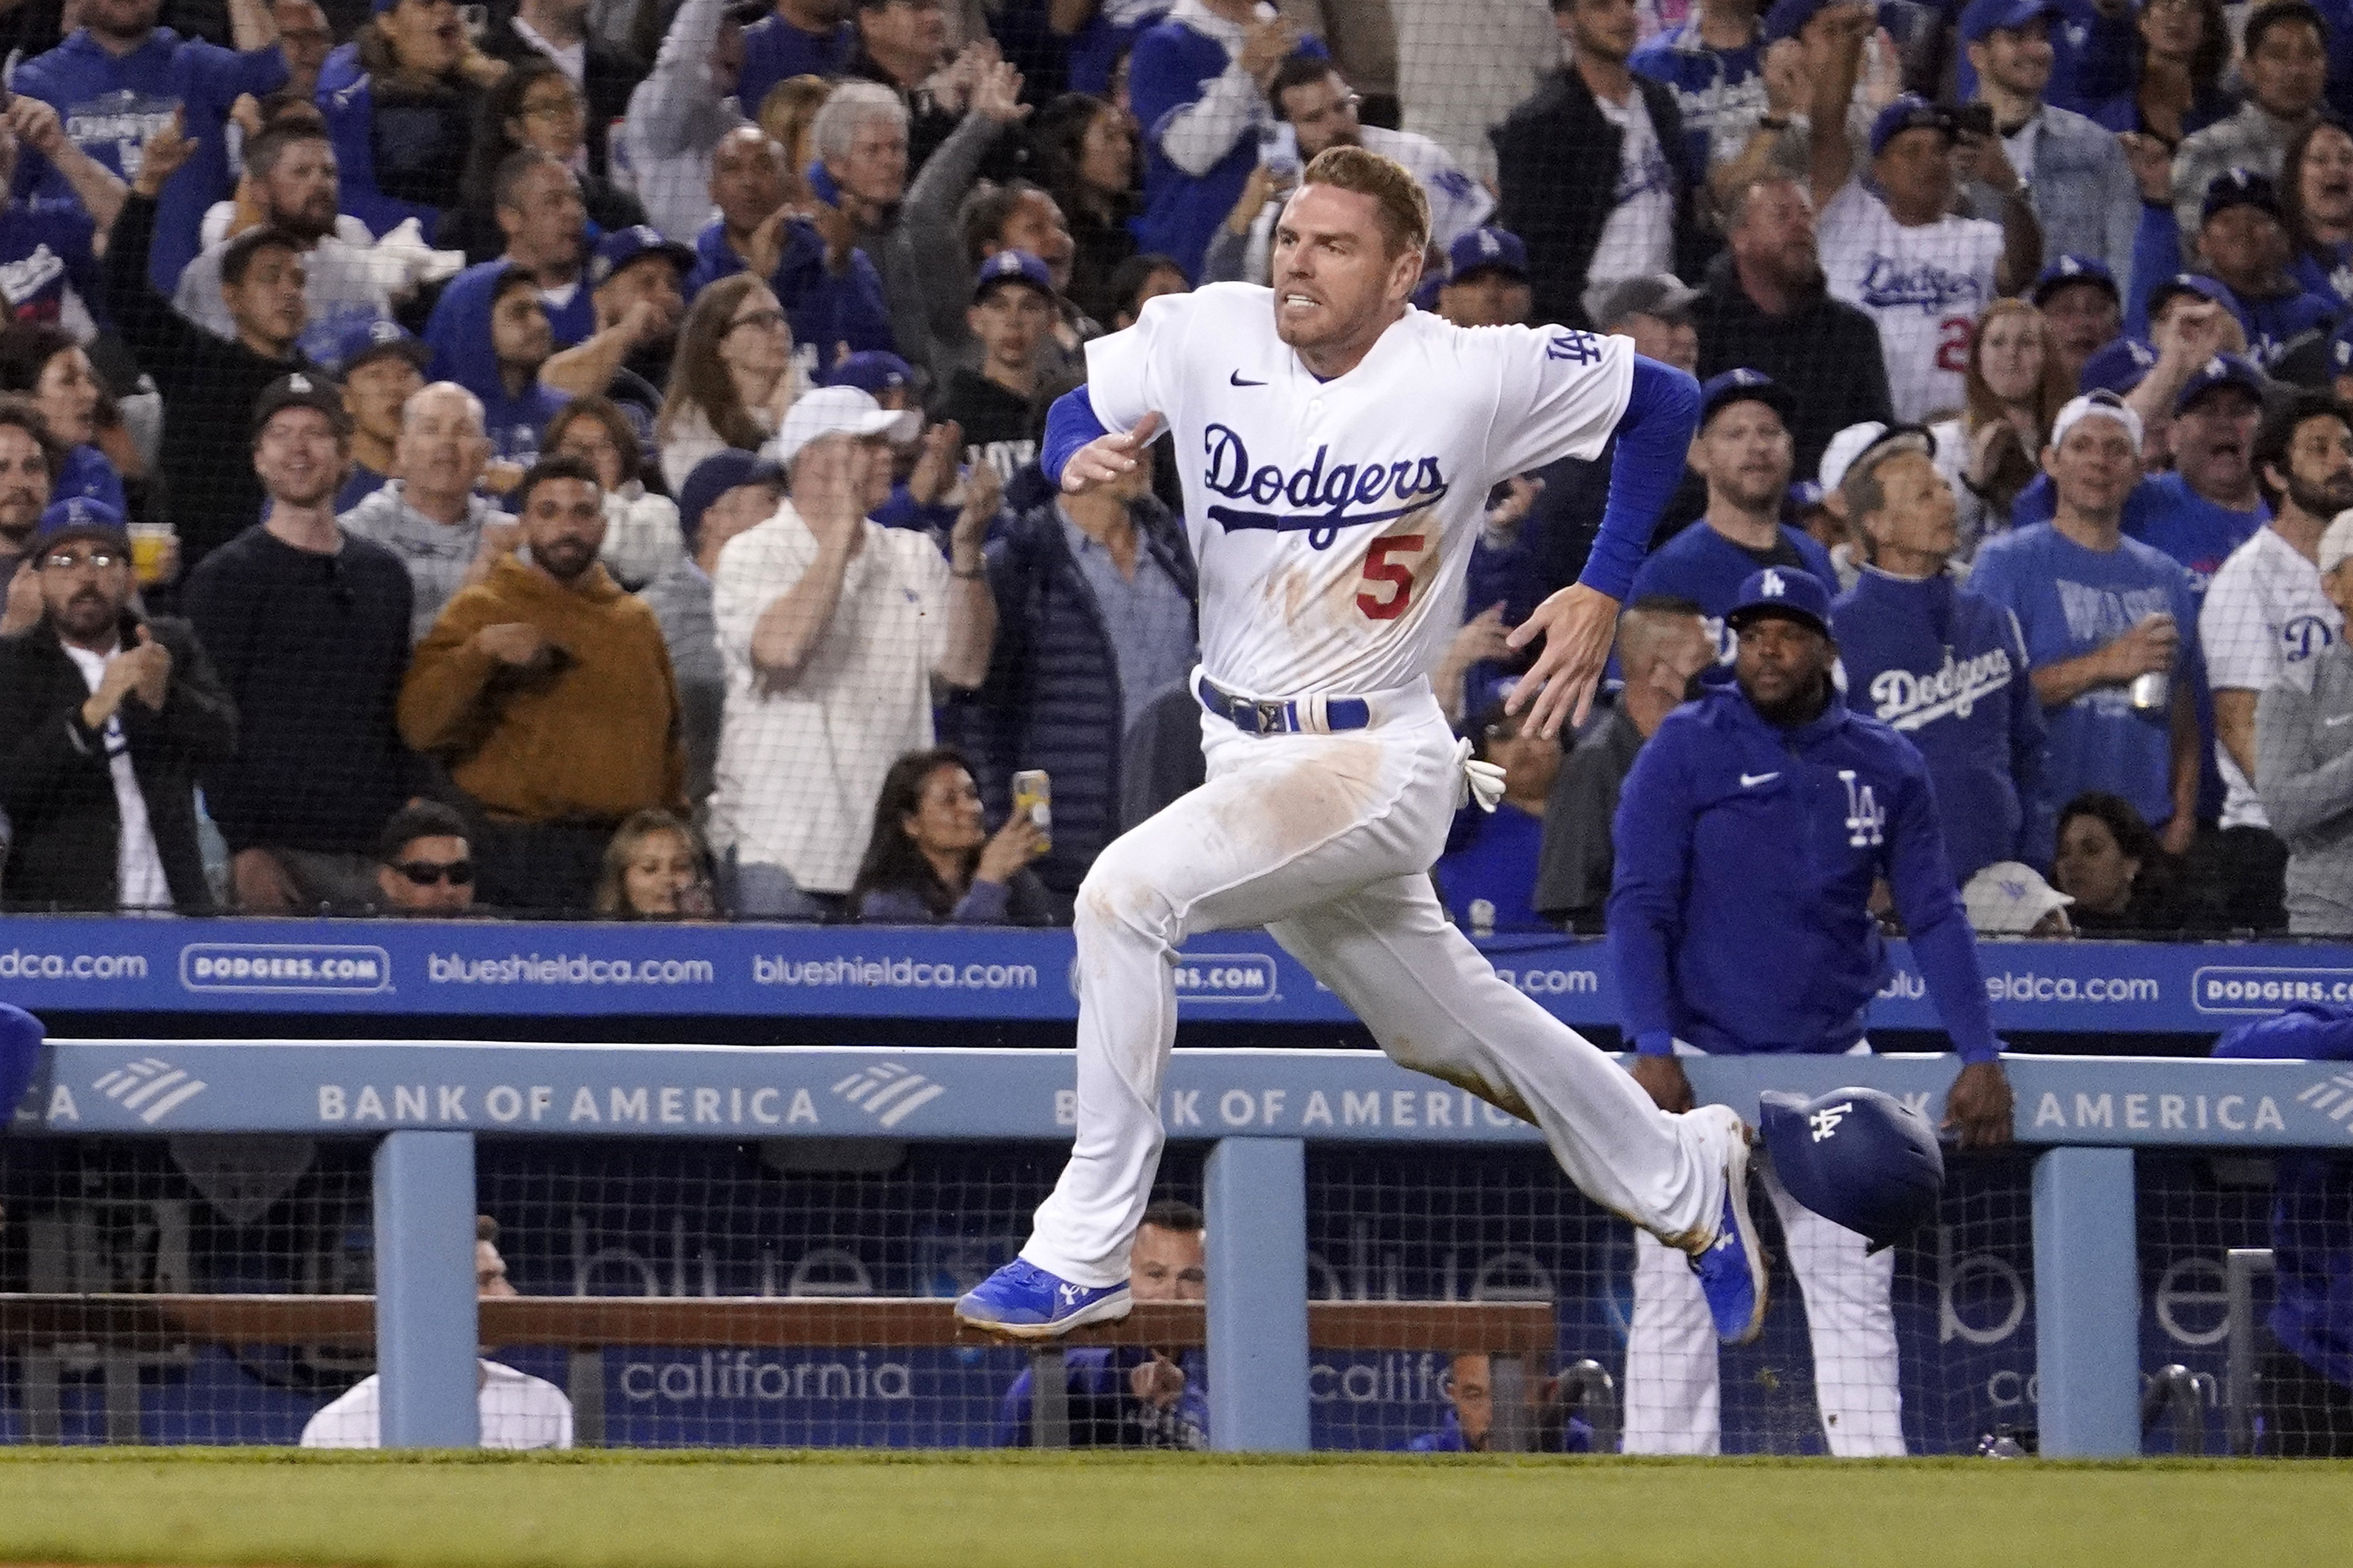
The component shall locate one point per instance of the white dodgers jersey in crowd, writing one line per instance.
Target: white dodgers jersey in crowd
(1924, 288)
(1333, 521)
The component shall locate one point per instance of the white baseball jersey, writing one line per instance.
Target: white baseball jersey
(1333, 521)
(2263, 612)
(1924, 287)
(516, 1411)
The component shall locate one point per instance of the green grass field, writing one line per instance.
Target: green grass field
(742, 1511)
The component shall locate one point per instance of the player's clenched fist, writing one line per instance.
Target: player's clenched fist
(1109, 458)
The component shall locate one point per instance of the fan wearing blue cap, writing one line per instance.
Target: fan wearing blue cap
(2079, 297)
(2243, 242)
(1750, 834)
(997, 407)
(382, 366)
(1743, 451)
(1486, 281)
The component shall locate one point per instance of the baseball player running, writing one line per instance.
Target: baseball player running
(1338, 449)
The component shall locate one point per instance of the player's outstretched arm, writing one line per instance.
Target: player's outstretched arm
(1080, 453)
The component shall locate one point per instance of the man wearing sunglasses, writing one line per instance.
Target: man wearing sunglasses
(425, 865)
(104, 720)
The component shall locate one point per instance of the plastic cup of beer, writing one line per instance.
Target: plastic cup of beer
(149, 543)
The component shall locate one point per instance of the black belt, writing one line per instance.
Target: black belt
(1255, 717)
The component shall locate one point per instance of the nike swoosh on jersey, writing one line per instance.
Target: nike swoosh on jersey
(1750, 781)
(1236, 380)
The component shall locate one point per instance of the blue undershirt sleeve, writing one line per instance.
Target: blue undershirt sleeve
(1070, 424)
(1652, 436)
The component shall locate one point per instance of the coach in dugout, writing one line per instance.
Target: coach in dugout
(1749, 836)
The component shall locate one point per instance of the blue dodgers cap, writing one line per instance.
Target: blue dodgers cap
(624, 246)
(1983, 16)
(723, 471)
(1789, 592)
(873, 371)
(1856, 1157)
(363, 341)
(1743, 386)
(2222, 369)
(20, 1053)
(2242, 188)
(1011, 266)
(2188, 283)
(2069, 271)
(1487, 249)
(1910, 111)
(2117, 367)
(82, 517)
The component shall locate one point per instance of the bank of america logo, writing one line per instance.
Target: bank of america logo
(150, 1086)
(2335, 1096)
(889, 1092)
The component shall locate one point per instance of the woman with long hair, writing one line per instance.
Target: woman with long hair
(1086, 161)
(2015, 385)
(535, 105)
(787, 114)
(399, 100)
(932, 860)
(2113, 867)
(54, 374)
(642, 537)
(2182, 47)
(731, 380)
(2316, 195)
(656, 868)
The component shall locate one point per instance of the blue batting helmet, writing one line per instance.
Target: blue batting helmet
(1858, 1158)
(20, 1051)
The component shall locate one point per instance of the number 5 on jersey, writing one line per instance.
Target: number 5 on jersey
(1388, 565)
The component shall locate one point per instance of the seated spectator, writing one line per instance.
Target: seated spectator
(2100, 610)
(642, 537)
(545, 690)
(2181, 50)
(1940, 663)
(291, 175)
(1096, 627)
(399, 100)
(2014, 387)
(732, 379)
(2267, 614)
(516, 1410)
(678, 114)
(1139, 280)
(1014, 215)
(2123, 882)
(1664, 644)
(534, 107)
(2244, 244)
(2008, 898)
(2085, 309)
(546, 231)
(830, 292)
(209, 383)
(310, 628)
(1000, 408)
(656, 868)
(556, 32)
(30, 459)
(105, 719)
(1131, 1396)
(1627, 206)
(54, 374)
(517, 398)
(637, 285)
(2077, 182)
(381, 366)
(1653, 310)
(1487, 282)
(427, 514)
(729, 492)
(834, 630)
(930, 860)
(1198, 81)
(424, 865)
(2283, 69)
(1086, 162)
(47, 241)
(801, 38)
(1469, 1423)
(119, 78)
(2301, 775)
(1486, 877)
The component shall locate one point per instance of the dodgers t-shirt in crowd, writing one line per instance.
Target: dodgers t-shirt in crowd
(1638, 240)
(1720, 92)
(47, 275)
(1703, 566)
(2195, 532)
(1488, 877)
(2070, 601)
(1922, 287)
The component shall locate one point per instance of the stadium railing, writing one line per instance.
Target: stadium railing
(420, 1110)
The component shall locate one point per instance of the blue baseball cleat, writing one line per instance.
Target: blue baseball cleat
(1023, 1301)
(1732, 1271)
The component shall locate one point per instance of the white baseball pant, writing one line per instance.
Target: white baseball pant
(1327, 840)
(1673, 1396)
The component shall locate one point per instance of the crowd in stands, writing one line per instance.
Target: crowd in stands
(560, 457)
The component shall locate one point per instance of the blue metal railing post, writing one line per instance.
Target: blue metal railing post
(2086, 1303)
(426, 1321)
(1256, 1190)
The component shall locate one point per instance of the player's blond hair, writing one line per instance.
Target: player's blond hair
(1405, 211)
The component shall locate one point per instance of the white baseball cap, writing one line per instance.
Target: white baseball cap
(2100, 405)
(2336, 543)
(2009, 898)
(839, 411)
(1845, 448)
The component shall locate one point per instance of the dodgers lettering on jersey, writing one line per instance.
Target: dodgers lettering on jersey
(1922, 287)
(1906, 700)
(1332, 522)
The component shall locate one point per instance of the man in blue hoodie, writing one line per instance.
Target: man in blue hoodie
(546, 226)
(119, 78)
(1748, 839)
(1938, 663)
